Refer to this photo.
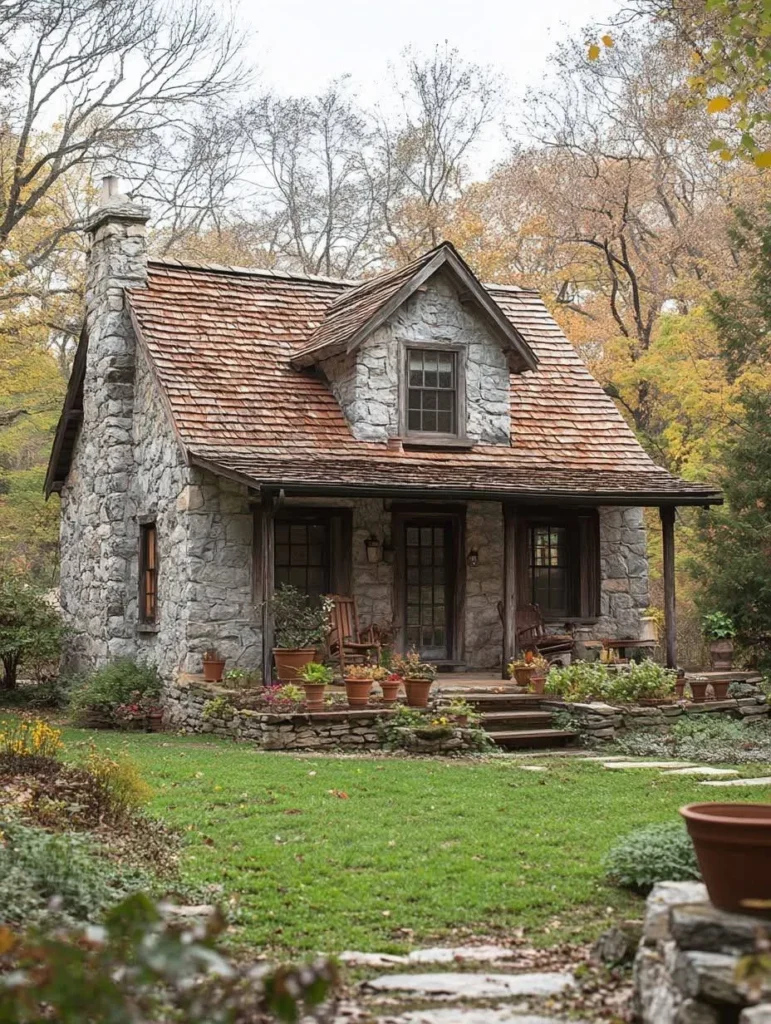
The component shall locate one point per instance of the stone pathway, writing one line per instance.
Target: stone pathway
(765, 781)
(457, 1015)
(704, 770)
(649, 764)
(448, 986)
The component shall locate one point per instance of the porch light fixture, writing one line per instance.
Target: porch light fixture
(473, 558)
(374, 548)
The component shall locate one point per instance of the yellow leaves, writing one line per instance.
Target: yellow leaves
(607, 40)
(593, 52)
(718, 104)
(763, 159)
(30, 738)
(7, 940)
(726, 154)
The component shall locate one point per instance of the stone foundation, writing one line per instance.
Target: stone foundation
(344, 729)
(684, 971)
(604, 722)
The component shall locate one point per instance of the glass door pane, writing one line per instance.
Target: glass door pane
(428, 547)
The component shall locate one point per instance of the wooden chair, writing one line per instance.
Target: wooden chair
(532, 634)
(347, 642)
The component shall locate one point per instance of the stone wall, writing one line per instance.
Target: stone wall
(685, 968)
(623, 572)
(366, 384)
(605, 722)
(185, 701)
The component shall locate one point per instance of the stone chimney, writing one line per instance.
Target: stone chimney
(105, 463)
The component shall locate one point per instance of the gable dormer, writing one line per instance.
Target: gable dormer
(423, 354)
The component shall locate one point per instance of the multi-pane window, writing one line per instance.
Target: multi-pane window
(302, 555)
(550, 569)
(432, 392)
(426, 604)
(148, 573)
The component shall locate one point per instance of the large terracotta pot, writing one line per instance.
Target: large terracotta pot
(213, 669)
(390, 690)
(522, 675)
(417, 691)
(720, 689)
(290, 661)
(538, 684)
(357, 691)
(721, 653)
(314, 696)
(733, 847)
(698, 690)
(679, 688)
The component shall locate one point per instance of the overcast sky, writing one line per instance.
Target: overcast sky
(300, 45)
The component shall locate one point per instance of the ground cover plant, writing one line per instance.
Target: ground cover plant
(711, 739)
(328, 853)
(586, 681)
(656, 853)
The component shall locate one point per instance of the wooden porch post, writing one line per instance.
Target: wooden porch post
(509, 584)
(667, 513)
(265, 583)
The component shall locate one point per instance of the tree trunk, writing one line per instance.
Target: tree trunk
(11, 665)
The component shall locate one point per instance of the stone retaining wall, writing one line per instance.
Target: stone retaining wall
(684, 971)
(184, 704)
(599, 721)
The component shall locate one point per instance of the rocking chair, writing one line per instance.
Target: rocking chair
(532, 635)
(347, 642)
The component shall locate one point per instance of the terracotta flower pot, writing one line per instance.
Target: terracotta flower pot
(698, 691)
(679, 688)
(213, 669)
(154, 722)
(522, 675)
(390, 691)
(417, 691)
(314, 696)
(733, 847)
(720, 689)
(721, 653)
(538, 684)
(357, 691)
(290, 661)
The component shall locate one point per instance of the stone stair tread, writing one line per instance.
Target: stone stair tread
(536, 737)
(515, 716)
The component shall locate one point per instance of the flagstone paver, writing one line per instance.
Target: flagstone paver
(649, 764)
(532, 767)
(472, 985)
(703, 770)
(472, 1015)
(474, 954)
(764, 781)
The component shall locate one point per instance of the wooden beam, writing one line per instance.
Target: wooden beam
(509, 584)
(667, 513)
(265, 588)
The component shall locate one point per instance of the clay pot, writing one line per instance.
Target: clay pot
(733, 847)
(679, 688)
(538, 684)
(154, 722)
(390, 691)
(213, 669)
(698, 691)
(290, 661)
(417, 691)
(523, 675)
(314, 696)
(720, 689)
(357, 691)
(721, 653)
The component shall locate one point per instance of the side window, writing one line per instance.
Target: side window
(148, 573)
(432, 392)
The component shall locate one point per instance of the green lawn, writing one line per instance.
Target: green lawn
(328, 853)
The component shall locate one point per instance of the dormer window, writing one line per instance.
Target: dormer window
(433, 405)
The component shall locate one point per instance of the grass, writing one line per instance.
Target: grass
(332, 853)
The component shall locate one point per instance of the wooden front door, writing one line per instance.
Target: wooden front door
(428, 596)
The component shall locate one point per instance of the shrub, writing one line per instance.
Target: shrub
(29, 737)
(217, 707)
(31, 630)
(120, 682)
(579, 681)
(657, 853)
(584, 681)
(123, 787)
(38, 867)
(298, 621)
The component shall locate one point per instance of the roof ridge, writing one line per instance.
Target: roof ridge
(282, 275)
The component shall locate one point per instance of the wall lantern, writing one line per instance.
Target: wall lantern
(388, 551)
(373, 546)
(473, 558)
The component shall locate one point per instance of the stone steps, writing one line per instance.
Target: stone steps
(531, 738)
(515, 720)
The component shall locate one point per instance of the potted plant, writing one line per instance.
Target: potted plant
(300, 626)
(418, 678)
(358, 684)
(698, 690)
(315, 679)
(540, 670)
(390, 687)
(213, 665)
(680, 684)
(719, 630)
(521, 669)
(733, 847)
(463, 713)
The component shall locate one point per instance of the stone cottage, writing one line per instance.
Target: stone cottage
(431, 445)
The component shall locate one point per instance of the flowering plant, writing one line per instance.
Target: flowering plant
(410, 666)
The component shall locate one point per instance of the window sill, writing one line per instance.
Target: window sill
(427, 441)
(148, 627)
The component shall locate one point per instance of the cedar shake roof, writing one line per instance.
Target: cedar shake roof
(224, 344)
(355, 314)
